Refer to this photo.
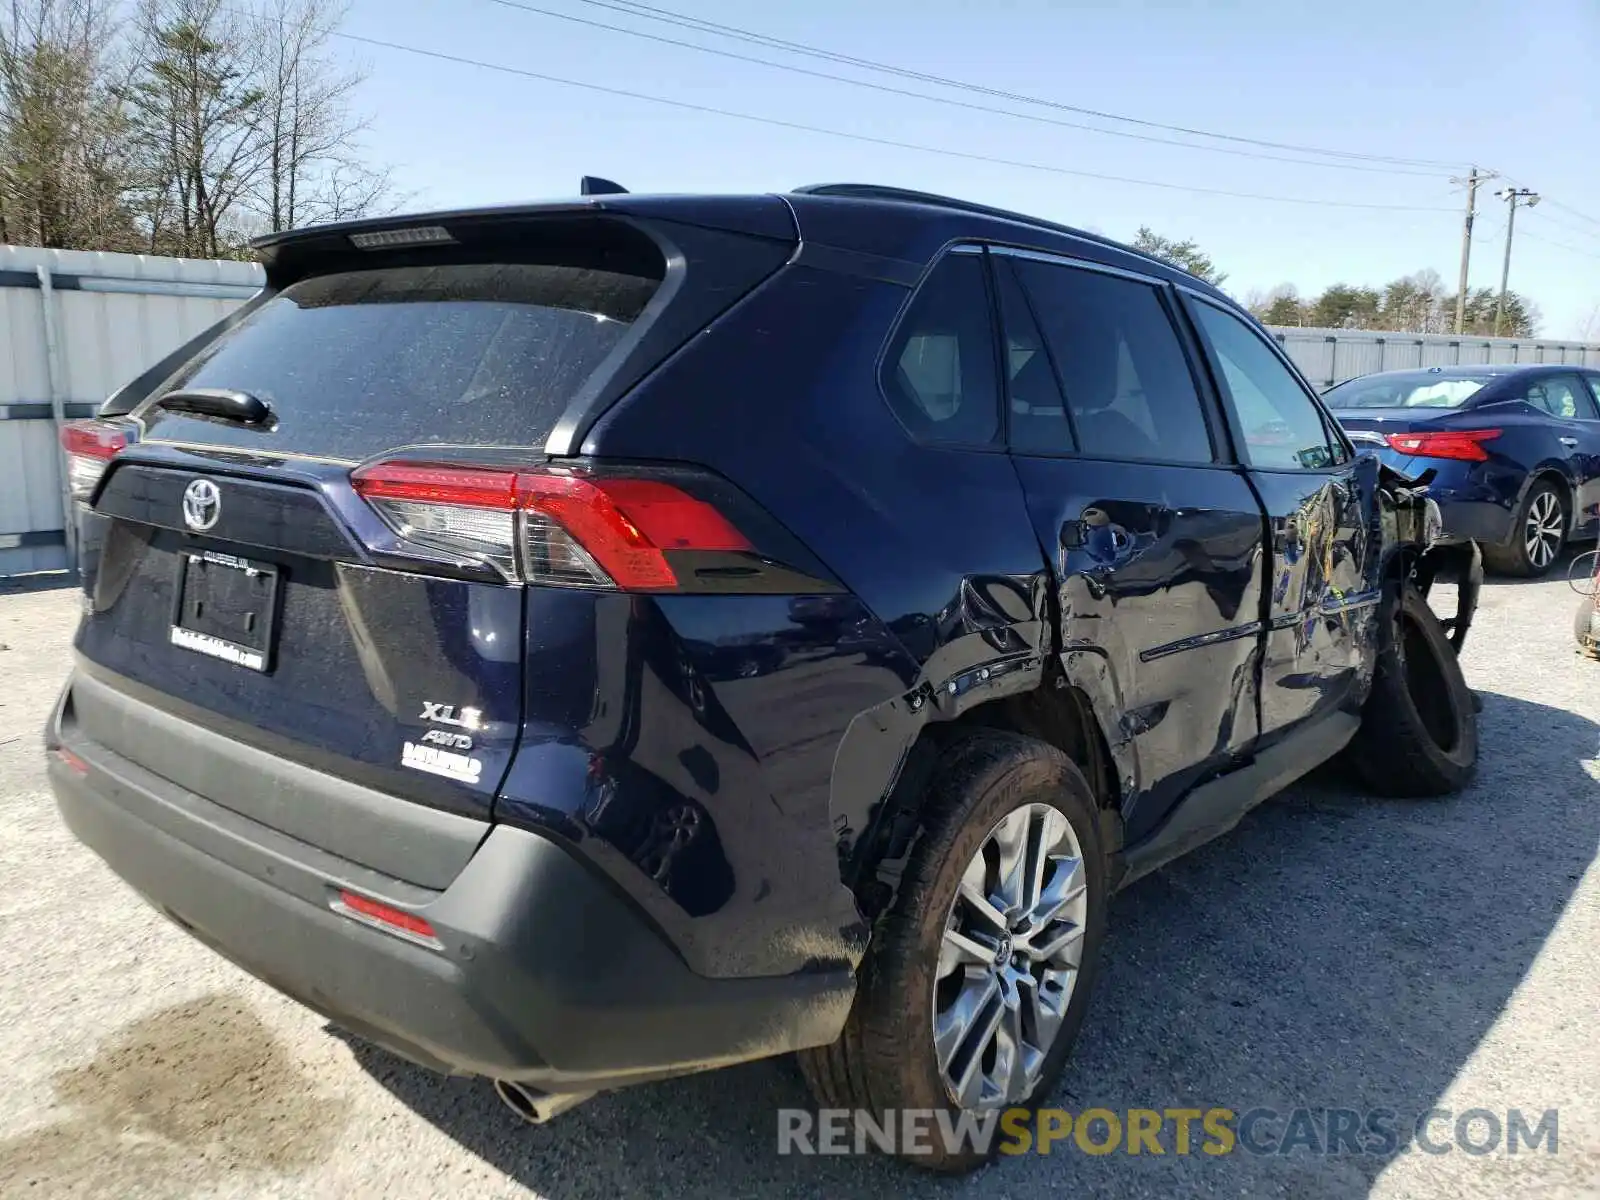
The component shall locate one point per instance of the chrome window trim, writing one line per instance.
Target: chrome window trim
(1081, 264)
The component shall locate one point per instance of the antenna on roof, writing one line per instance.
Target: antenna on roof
(593, 185)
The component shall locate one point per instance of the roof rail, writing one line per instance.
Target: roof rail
(874, 191)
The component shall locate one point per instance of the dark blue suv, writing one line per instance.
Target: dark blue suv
(583, 643)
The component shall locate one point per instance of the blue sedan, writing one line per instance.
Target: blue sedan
(1516, 450)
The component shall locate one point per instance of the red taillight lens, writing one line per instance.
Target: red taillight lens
(90, 445)
(386, 917)
(549, 526)
(437, 483)
(71, 760)
(624, 524)
(1465, 444)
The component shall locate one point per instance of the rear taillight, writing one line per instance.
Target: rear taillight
(1465, 444)
(90, 445)
(549, 526)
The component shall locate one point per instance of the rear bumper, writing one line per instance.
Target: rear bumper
(1481, 520)
(1474, 502)
(545, 974)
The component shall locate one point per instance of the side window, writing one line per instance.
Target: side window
(1127, 383)
(1283, 429)
(1560, 396)
(939, 373)
(1591, 411)
(1038, 415)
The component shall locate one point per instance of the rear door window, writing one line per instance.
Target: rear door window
(1281, 424)
(1128, 388)
(1560, 396)
(939, 373)
(361, 361)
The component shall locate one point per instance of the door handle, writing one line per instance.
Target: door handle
(1569, 443)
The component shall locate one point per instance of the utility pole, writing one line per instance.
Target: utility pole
(1472, 181)
(1510, 195)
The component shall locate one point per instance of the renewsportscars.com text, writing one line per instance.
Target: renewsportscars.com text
(1208, 1131)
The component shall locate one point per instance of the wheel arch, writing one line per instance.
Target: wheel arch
(1055, 712)
(1554, 473)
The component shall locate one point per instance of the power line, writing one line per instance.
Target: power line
(1569, 209)
(1568, 226)
(1560, 245)
(947, 100)
(870, 139)
(667, 16)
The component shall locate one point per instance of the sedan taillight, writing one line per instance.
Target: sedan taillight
(548, 526)
(1464, 444)
(89, 445)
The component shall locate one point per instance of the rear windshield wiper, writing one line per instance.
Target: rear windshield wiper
(222, 404)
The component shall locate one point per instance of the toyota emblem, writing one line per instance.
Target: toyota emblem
(202, 505)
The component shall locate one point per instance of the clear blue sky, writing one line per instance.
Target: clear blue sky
(1508, 84)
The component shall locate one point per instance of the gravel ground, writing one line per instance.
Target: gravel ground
(1335, 950)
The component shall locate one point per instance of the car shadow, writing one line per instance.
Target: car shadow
(1336, 950)
(38, 581)
(1562, 568)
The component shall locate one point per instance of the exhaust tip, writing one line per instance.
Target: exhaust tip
(534, 1106)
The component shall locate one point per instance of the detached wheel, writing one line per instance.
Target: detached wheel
(1419, 729)
(1538, 532)
(978, 977)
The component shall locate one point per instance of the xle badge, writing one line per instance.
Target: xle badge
(448, 714)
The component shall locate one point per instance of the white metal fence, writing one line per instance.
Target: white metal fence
(1330, 356)
(75, 326)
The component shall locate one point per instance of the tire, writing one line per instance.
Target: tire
(1419, 729)
(1538, 533)
(885, 1061)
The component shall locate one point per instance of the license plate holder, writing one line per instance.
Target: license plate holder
(227, 608)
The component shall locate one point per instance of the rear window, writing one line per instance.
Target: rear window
(358, 362)
(1403, 393)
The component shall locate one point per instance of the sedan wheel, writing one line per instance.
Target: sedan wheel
(1544, 530)
(1538, 533)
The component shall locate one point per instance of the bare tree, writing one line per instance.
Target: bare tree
(62, 175)
(1415, 304)
(197, 112)
(312, 171)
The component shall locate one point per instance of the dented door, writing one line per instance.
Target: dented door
(1321, 502)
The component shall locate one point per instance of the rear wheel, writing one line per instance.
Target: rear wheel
(1538, 531)
(979, 975)
(1419, 730)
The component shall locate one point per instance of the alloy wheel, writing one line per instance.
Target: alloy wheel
(1544, 530)
(1009, 958)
